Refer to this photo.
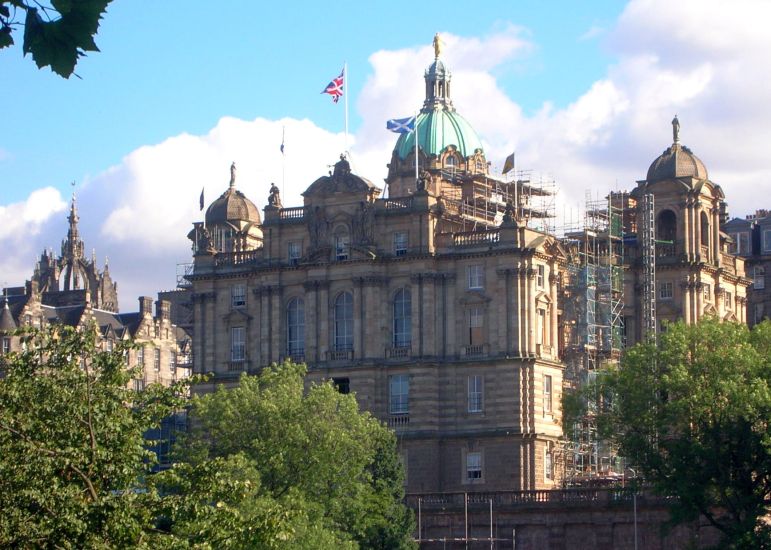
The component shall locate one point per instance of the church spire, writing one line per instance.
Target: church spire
(73, 246)
(437, 81)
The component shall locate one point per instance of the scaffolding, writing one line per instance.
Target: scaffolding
(593, 328)
(478, 201)
(648, 243)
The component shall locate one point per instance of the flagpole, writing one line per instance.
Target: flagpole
(283, 161)
(346, 88)
(415, 130)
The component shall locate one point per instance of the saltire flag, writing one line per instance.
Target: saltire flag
(401, 125)
(335, 88)
(282, 140)
(508, 165)
(200, 201)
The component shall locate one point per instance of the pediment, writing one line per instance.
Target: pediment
(237, 315)
(472, 297)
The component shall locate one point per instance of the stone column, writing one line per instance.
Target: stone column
(553, 329)
(311, 321)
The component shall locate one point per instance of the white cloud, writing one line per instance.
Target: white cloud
(140, 211)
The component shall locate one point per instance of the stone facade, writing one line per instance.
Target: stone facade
(751, 240)
(164, 349)
(696, 272)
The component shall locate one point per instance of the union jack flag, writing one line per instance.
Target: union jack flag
(335, 88)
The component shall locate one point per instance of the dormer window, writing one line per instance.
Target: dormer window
(450, 161)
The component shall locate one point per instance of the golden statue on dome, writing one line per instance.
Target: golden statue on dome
(438, 43)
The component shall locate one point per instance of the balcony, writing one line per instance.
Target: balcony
(237, 258)
(294, 213)
(401, 352)
(237, 366)
(474, 350)
(401, 420)
(398, 203)
(340, 355)
(475, 238)
(297, 356)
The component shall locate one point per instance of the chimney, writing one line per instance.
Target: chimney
(145, 306)
(163, 310)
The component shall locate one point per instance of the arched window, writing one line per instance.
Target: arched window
(344, 322)
(402, 319)
(295, 327)
(450, 161)
(704, 229)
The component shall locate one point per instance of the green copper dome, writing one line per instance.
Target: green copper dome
(437, 129)
(438, 125)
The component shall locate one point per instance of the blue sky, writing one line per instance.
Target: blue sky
(171, 67)
(584, 92)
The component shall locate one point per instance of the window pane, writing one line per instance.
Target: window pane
(473, 466)
(295, 327)
(344, 322)
(547, 396)
(238, 295)
(399, 394)
(237, 344)
(402, 319)
(475, 393)
(400, 244)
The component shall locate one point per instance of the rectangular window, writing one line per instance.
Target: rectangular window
(139, 384)
(141, 356)
(172, 362)
(540, 278)
(706, 292)
(548, 465)
(767, 240)
(399, 394)
(238, 295)
(540, 329)
(476, 276)
(400, 244)
(547, 394)
(476, 321)
(6, 345)
(108, 345)
(665, 290)
(294, 251)
(342, 243)
(728, 300)
(759, 278)
(473, 466)
(157, 360)
(237, 344)
(475, 393)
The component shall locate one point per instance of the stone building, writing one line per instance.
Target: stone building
(697, 273)
(434, 305)
(450, 317)
(71, 278)
(751, 240)
(69, 290)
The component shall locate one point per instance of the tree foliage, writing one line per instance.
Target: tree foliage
(330, 471)
(57, 33)
(72, 448)
(693, 414)
(268, 465)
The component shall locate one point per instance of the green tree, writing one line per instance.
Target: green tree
(73, 456)
(57, 33)
(694, 414)
(309, 457)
